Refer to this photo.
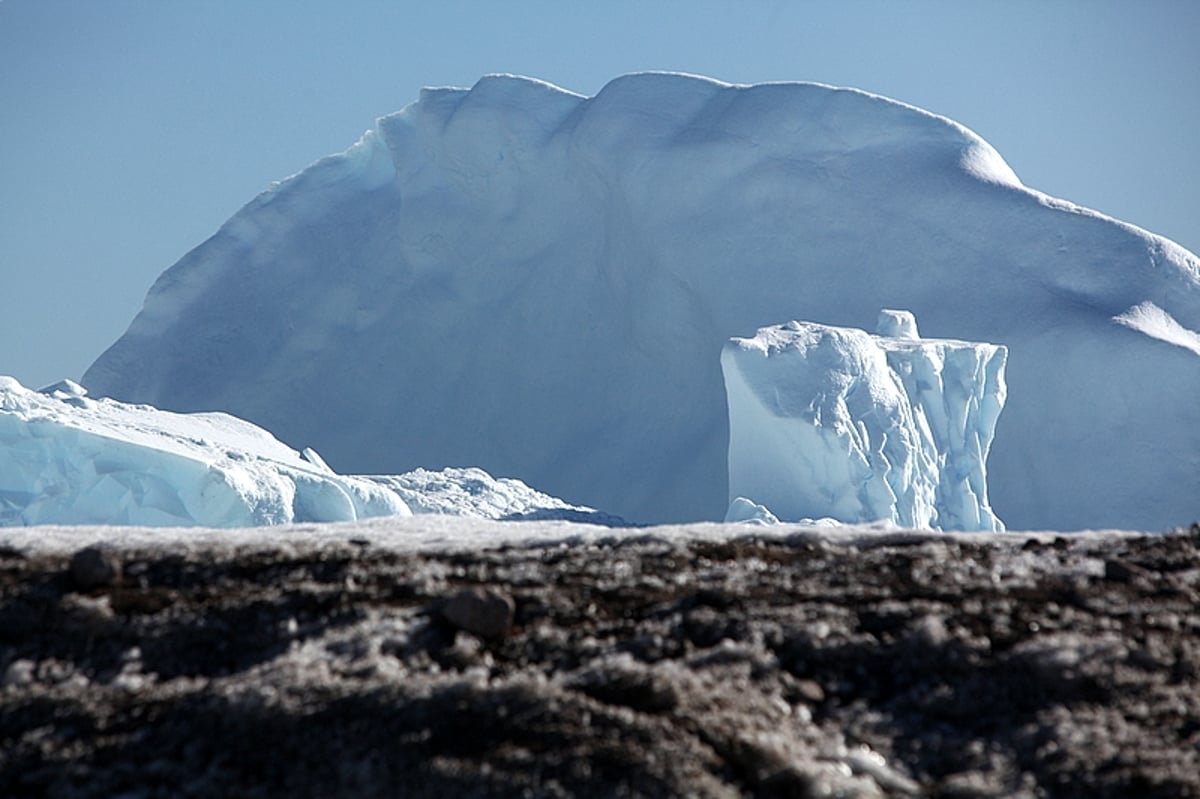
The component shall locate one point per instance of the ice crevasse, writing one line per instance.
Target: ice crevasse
(834, 422)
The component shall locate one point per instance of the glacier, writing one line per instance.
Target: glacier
(834, 422)
(67, 458)
(540, 284)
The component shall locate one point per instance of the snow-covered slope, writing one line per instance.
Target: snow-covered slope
(540, 284)
(834, 422)
(66, 458)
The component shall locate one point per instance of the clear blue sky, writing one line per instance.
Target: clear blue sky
(131, 129)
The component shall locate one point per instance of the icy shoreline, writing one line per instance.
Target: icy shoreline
(436, 533)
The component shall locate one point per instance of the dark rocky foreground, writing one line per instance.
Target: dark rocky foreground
(893, 665)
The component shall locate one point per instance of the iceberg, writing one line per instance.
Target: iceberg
(834, 422)
(473, 492)
(68, 458)
(745, 511)
(539, 284)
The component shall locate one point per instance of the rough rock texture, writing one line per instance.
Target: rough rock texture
(808, 665)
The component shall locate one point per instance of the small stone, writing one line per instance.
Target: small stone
(621, 680)
(19, 672)
(485, 612)
(90, 610)
(810, 690)
(1122, 572)
(95, 567)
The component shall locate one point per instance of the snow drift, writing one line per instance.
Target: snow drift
(66, 458)
(833, 422)
(540, 284)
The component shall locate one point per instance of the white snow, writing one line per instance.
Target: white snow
(829, 421)
(540, 284)
(441, 533)
(66, 458)
(1148, 318)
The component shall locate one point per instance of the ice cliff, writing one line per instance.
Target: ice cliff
(66, 458)
(540, 284)
(834, 422)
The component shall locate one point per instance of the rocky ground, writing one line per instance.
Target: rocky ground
(796, 665)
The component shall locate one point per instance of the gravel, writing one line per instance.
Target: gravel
(798, 665)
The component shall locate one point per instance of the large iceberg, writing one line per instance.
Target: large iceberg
(67, 458)
(833, 422)
(540, 284)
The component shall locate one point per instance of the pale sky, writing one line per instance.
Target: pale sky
(130, 130)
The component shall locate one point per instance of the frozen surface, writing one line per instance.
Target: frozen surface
(829, 421)
(66, 458)
(446, 533)
(540, 284)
